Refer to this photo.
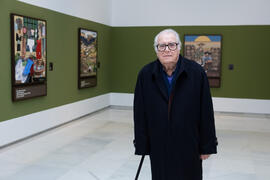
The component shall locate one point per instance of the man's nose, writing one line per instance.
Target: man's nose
(167, 49)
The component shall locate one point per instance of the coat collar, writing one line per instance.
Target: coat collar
(157, 75)
(156, 69)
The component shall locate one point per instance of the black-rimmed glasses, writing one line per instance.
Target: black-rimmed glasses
(171, 46)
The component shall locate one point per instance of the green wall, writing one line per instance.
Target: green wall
(247, 47)
(123, 51)
(62, 44)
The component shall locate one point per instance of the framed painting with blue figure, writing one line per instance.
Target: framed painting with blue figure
(206, 51)
(88, 64)
(28, 57)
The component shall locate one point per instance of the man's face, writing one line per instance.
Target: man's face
(168, 58)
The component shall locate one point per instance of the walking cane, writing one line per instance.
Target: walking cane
(139, 168)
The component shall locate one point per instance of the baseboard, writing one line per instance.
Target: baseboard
(235, 105)
(20, 128)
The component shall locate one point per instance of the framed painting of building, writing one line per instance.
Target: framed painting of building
(206, 51)
(28, 57)
(87, 63)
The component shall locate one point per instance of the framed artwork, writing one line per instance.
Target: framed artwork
(87, 66)
(206, 51)
(28, 57)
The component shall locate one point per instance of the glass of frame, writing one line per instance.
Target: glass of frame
(87, 67)
(28, 57)
(206, 51)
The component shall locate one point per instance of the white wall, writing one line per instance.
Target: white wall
(231, 105)
(22, 127)
(190, 12)
(25, 126)
(93, 10)
(163, 12)
(141, 13)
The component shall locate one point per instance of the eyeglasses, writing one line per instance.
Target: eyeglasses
(171, 46)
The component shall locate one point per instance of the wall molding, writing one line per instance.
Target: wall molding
(20, 128)
(234, 105)
(26, 126)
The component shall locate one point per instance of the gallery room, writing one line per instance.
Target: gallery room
(145, 89)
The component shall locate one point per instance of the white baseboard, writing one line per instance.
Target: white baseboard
(239, 105)
(121, 99)
(236, 105)
(22, 127)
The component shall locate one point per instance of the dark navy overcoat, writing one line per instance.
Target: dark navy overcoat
(174, 129)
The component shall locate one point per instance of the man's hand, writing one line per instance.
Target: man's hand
(204, 156)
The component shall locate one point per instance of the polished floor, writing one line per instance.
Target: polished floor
(99, 147)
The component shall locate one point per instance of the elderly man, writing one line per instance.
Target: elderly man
(173, 113)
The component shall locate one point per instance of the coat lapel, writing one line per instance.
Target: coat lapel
(181, 69)
(158, 78)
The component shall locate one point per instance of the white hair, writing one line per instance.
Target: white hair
(167, 31)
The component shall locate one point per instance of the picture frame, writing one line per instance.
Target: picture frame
(206, 50)
(88, 58)
(28, 57)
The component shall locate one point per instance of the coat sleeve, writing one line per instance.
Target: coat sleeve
(207, 132)
(141, 141)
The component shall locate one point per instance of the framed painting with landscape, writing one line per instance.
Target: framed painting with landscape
(206, 51)
(87, 64)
